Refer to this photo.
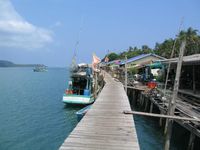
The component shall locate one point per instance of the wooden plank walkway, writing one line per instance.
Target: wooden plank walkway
(105, 126)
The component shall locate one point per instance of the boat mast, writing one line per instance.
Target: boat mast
(74, 64)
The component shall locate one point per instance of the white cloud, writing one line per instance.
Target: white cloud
(17, 32)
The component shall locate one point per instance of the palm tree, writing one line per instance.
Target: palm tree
(192, 40)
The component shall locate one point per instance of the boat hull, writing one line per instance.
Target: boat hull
(77, 99)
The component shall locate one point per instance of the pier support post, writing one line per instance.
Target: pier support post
(130, 97)
(133, 98)
(172, 103)
(193, 80)
(191, 141)
(126, 76)
(139, 99)
(95, 85)
(151, 107)
(160, 122)
(161, 119)
(128, 92)
(146, 104)
(142, 99)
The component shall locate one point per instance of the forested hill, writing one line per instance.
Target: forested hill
(5, 63)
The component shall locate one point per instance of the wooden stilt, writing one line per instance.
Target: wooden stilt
(151, 107)
(160, 122)
(136, 97)
(142, 99)
(166, 126)
(146, 104)
(161, 119)
(134, 100)
(95, 85)
(125, 74)
(131, 97)
(139, 98)
(128, 92)
(172, 103)
(191, 141)
(193, 79)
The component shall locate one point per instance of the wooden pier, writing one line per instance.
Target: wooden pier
(105, 126)
(186, 107)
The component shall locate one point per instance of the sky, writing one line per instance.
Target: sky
(46, 31)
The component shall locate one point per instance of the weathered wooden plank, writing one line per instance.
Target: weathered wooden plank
(100, 140)
(104, 133)
(94, 146)
(106, 129)
(112, 135)
(97, 143)
(107, 123)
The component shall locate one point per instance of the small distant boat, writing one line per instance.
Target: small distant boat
(40, 68)
(82, 112)
(80, 88)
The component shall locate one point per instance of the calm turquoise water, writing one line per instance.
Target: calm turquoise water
(32, 115)
(151, 137)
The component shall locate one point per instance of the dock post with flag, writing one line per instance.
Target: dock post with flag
(95, 62)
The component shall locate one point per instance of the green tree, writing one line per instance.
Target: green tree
(146, 49)
(113, 56)
(164, 49)
(192, 41)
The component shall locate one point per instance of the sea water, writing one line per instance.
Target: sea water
(32, 115)
(151, 134)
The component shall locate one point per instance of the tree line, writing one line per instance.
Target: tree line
(164, 49)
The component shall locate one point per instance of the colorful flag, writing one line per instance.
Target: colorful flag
(106, 59)
(96, 60)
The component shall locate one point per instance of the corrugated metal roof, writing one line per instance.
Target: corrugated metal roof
(122, 62)
(140, 57)
(113, 62)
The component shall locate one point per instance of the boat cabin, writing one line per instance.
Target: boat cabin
(81, 83)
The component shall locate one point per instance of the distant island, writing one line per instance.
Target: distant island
(5, 63)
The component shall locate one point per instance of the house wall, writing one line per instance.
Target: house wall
(146, 60)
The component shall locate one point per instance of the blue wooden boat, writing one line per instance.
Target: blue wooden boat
(80, 88)
(82, 112)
